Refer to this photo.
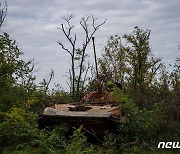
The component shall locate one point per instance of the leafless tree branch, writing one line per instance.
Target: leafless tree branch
(3, 13)
(88, 25)
(62, 46)
(88, 36)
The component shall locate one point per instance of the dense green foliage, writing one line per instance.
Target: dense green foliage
(151, 104)
(16, 80)
(20, 101)
(113, 61)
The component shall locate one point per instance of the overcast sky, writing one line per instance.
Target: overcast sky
(33, 24)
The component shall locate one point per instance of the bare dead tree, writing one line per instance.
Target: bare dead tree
(3, 12)
(85, 76)
(89, 30)
(72, 40)
(88, 24)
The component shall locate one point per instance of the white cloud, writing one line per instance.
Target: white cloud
(34, 25)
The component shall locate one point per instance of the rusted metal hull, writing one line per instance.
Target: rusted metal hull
(97, 112)
(92, 125)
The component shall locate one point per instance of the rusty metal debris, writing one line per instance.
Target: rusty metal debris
(76, 110)
(96, 112)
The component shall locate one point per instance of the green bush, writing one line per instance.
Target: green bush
(19, 131)
(137, 125)
(78, 144)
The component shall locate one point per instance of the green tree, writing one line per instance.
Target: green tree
(142, 64)
(175, 77)
(174, 102)
(20, 101)
(17, 83)
(113, 62)
(15, 74)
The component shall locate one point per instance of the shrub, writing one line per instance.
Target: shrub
(78, 144)
(19, 131)
(137, 125)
